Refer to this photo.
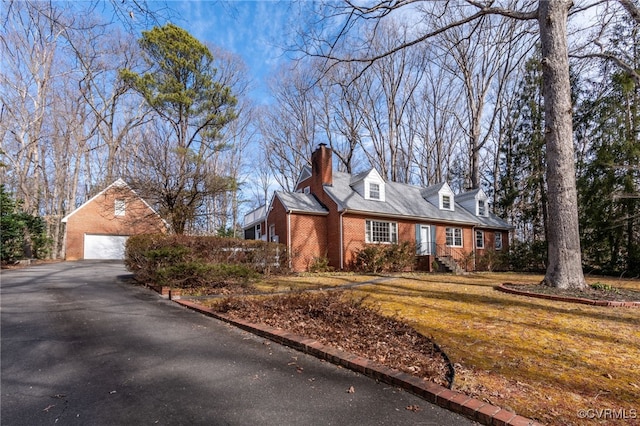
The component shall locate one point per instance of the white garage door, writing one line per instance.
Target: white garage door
(104, 246)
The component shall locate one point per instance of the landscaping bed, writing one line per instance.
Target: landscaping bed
(346, 324)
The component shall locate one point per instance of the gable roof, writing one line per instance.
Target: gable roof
(117, 184)
(301, 203)
(401, 200)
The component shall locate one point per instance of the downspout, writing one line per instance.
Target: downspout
(475, 249)
(289, 239)
(342, 240)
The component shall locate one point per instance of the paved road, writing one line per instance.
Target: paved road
(80, 346)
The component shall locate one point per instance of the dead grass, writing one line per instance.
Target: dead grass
(543, 359)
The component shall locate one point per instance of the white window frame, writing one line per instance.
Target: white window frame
(374, 191)
(449, 199)
(120, 207)
(498, 240)
(482, 208)
(452, 238)
(370, 232)
(479, 239)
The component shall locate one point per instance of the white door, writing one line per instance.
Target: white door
(104, 247)
(425, 240)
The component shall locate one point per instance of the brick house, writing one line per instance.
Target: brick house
(334, 214)
(99, 228)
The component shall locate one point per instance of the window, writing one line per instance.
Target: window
(482, 208)
(498, 240)
(446, 202)
(258, 232)
(120, 207)
(479, 239)
(381, 232)
(454, 237)
(374, 191)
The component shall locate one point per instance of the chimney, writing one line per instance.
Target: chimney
(321, 166)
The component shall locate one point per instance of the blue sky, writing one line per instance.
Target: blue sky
(257, 30)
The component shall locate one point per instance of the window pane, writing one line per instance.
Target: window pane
(446, 202)
(454, 237)
(498, 240)
(479, 239)
(374, 191)
(119, 207)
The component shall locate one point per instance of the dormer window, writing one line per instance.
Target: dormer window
(369, 185)
(446, 202)
(374, 191)
(482, 208)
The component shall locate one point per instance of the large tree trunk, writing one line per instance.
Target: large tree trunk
(565, 263)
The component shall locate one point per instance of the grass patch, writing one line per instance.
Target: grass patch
(544, 359)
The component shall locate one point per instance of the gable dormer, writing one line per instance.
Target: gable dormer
(476, 202)
(369, 185)
(441, 196)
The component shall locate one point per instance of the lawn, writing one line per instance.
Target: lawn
(546, 360)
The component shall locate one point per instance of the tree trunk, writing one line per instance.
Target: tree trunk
(564, 268)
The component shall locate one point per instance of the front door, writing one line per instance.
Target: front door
(424, 247)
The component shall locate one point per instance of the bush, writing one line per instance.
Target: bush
(197, 274)
(184, 261)
(320, 264)
(492, 260)
(528, 256)
(376, 258)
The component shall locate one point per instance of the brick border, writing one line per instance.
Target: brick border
(457, 402)
(607, 303)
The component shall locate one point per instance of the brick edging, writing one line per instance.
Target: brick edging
(475, 409)
(607, 303)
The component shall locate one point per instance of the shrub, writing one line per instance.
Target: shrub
(198, 274)
(376, 258)
(320, 264)
(492, 260)
(195, 261)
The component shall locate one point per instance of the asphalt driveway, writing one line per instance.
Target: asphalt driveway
(81, 346)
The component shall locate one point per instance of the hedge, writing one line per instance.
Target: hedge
(193, 261)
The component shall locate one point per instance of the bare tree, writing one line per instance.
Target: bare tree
(564, 266)
(288, 128)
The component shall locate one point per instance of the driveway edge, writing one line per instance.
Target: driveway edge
(457, 402)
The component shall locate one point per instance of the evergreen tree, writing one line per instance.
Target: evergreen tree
(522, 190)
(21, 235)
(181, 88)
(609, 186)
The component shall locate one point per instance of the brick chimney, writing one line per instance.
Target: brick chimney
(321, 167)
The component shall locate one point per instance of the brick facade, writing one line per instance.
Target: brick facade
(98, 217)
(339, 233)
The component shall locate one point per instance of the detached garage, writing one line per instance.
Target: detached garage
(99, 228)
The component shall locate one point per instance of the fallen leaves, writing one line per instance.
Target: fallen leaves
(351, 390)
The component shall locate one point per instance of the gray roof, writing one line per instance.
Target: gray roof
(299, 202)
(400, 200)
(469, 194)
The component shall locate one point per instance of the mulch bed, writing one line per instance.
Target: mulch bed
(347, 325)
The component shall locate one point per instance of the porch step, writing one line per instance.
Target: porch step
(450, 264)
